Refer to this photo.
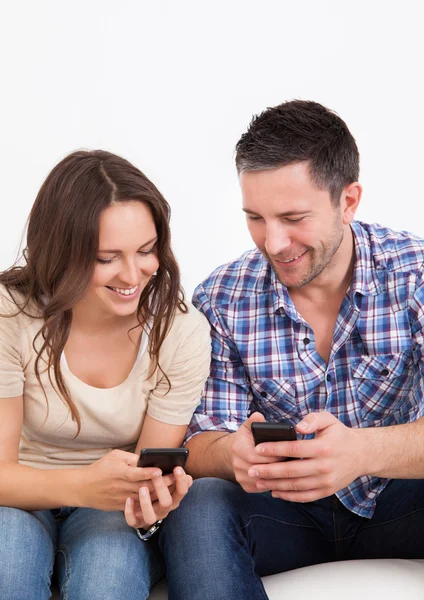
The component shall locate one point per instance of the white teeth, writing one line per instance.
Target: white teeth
(126, 291)
(291, 259)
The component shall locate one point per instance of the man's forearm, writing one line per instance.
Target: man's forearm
(210, 455)
(395, 452)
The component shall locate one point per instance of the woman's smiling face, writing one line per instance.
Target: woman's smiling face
(126, 259)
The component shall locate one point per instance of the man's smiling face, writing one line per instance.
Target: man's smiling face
(292, 222)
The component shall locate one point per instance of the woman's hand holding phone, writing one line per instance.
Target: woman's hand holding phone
(154, 506)
(108, 482)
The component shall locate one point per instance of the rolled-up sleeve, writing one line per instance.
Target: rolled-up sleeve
(417, 331)
(227, 396)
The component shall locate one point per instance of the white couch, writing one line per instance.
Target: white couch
(391, 579)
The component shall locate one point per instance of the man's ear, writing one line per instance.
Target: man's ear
(349, 201)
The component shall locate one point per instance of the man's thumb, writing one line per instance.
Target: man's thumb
(255, 417)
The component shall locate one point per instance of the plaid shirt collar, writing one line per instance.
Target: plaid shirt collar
(368, 278)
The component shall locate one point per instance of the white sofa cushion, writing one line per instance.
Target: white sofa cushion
(390, 579)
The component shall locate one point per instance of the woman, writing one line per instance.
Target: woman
(99, 357)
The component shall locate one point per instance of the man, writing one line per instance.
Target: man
(321, 326)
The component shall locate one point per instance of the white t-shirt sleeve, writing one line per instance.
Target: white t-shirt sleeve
(185, 358)
(12, 376)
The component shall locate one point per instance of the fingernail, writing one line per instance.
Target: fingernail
(156, 474)
(305, 426)
(143, 491)
(178, 471)
(253, 473)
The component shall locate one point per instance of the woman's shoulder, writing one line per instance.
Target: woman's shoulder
(189, 329)
(187, 322)
(188, 342)
(14, 306)
(9, 301)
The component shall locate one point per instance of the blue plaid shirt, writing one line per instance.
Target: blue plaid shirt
(264, 356)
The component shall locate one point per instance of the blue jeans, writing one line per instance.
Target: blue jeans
(94, 554)
(221, 540)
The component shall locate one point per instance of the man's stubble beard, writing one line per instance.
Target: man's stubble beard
(314, 270)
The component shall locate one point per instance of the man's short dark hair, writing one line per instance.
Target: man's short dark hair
(301, 131)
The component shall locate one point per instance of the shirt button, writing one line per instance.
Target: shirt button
(328, 377)
(306, 341)
(264, 394)
(384, 372)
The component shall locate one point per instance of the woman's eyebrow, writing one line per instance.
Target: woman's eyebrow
(117, 251)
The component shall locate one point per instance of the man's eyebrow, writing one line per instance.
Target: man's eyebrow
(289, 213)
(117, 251)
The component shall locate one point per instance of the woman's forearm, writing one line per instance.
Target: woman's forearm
(29, 488)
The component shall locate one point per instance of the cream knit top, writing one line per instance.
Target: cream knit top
(110, 418)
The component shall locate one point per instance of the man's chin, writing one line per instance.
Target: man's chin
(294, 281)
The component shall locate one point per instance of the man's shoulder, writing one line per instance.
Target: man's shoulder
(245, 276)
(393, 250)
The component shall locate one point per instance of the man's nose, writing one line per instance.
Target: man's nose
(277, 239)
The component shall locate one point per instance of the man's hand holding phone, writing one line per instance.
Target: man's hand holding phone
(336, 456)
(244, 455)
(166, 490)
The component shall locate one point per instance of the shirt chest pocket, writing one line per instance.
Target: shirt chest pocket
(275, 398)
(383, 385)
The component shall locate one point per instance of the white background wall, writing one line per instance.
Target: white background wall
(171, 85)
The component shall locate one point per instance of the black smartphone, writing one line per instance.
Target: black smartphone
(163, 458)
(273, 432)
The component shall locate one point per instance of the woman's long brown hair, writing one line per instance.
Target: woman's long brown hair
(61, 250)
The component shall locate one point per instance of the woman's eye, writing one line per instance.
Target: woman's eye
(103, 261)
(146, 252)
